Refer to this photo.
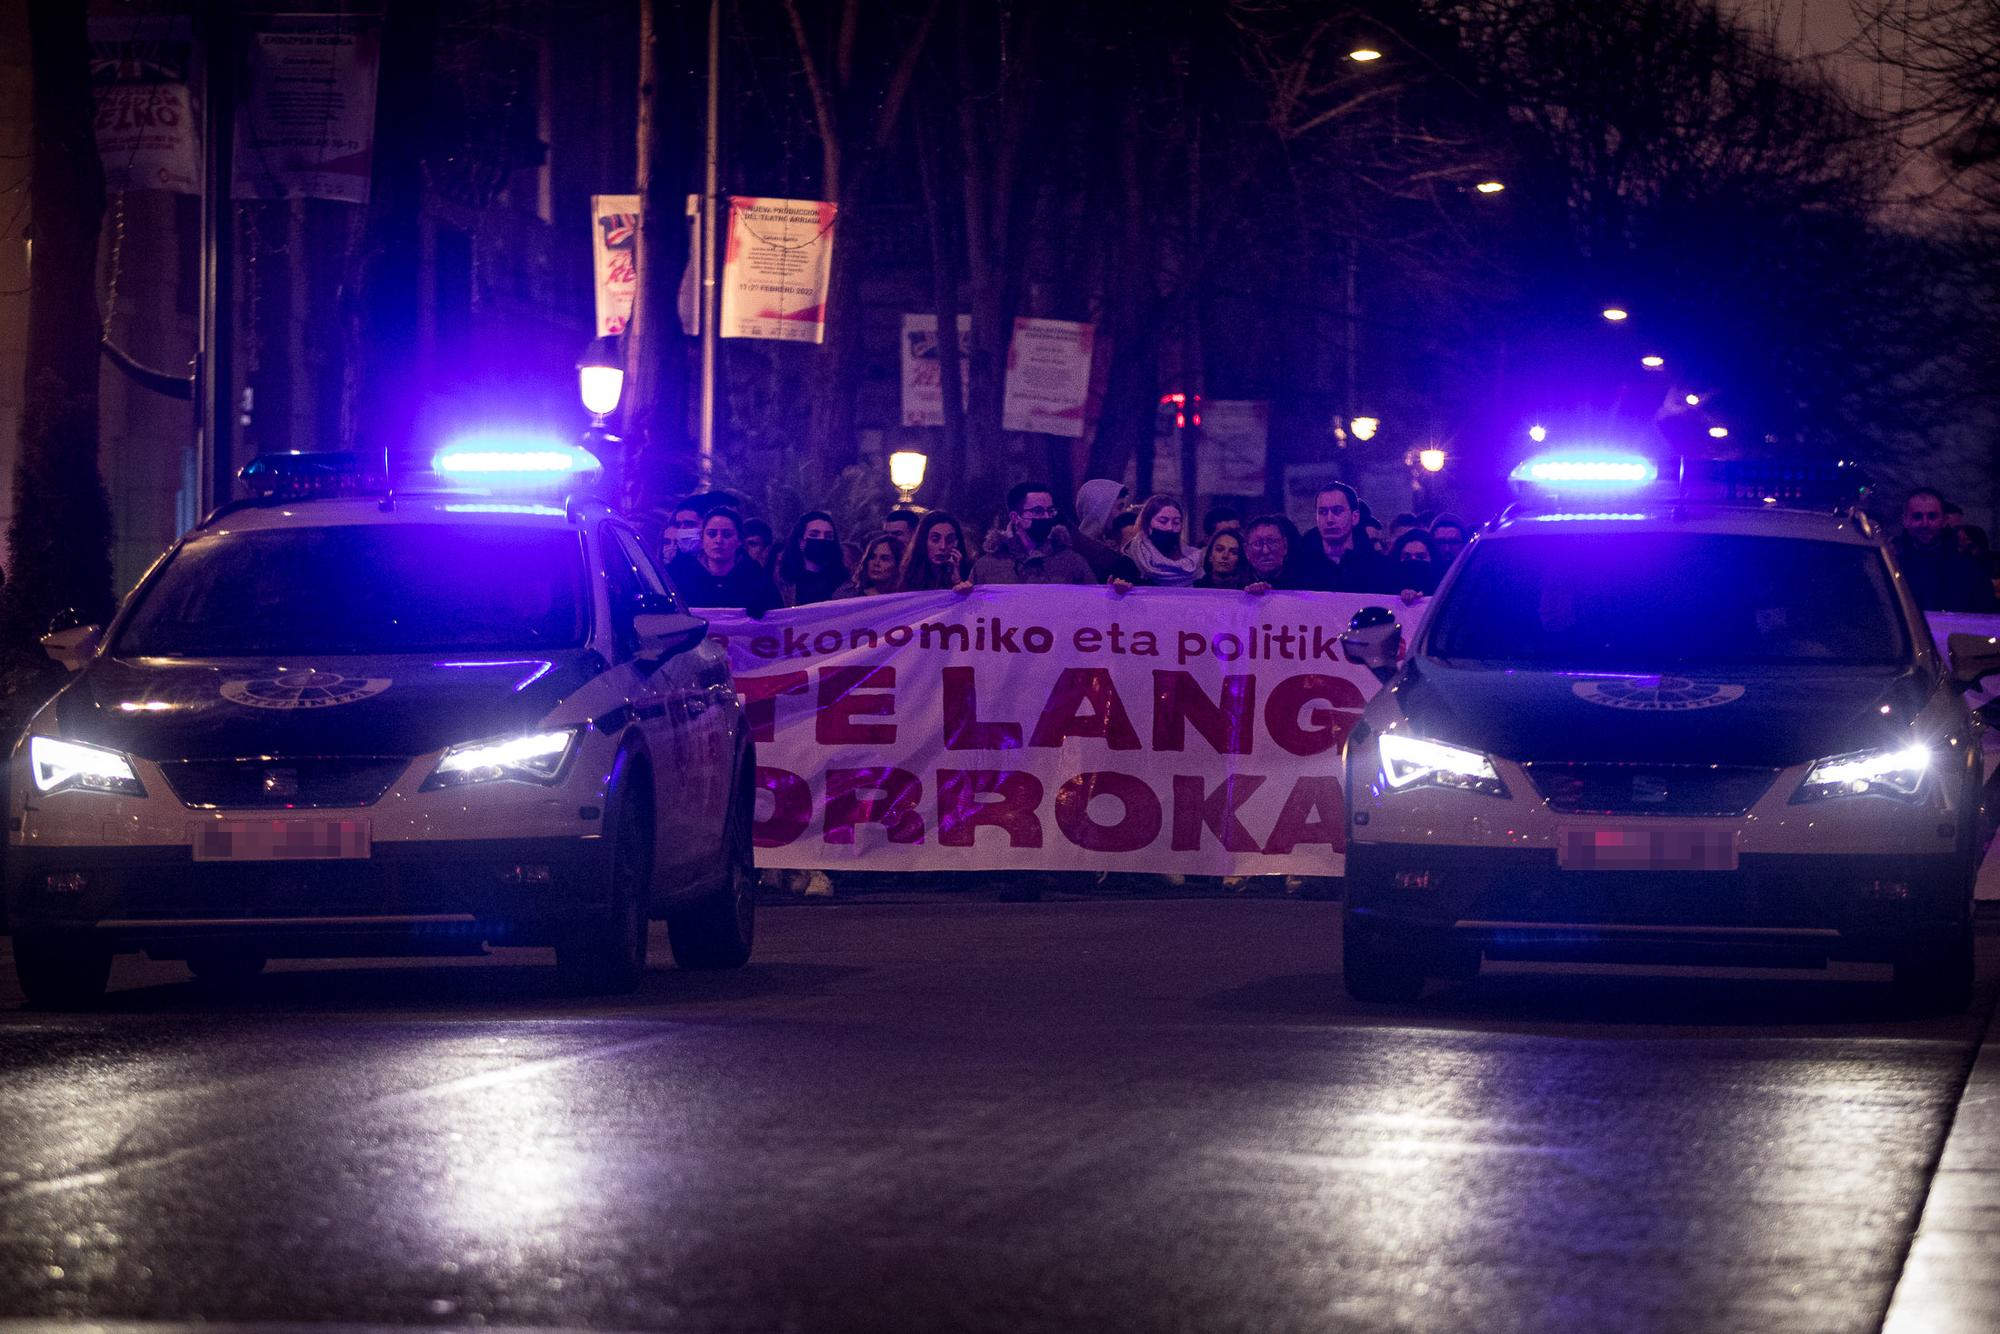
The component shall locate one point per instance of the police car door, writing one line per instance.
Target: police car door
(667, 705)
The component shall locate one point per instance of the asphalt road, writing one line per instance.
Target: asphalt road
(1156, 1114)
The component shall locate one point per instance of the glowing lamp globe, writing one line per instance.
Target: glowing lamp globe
(600, 376)
(1366, 427)
(1431, 459)
(906, 472)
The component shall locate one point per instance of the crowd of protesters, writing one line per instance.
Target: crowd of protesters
(718, 557)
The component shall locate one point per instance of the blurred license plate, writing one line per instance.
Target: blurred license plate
(280, 840)
(1647, 850)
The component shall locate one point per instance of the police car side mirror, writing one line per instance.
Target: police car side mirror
(1973, 659)
(1373, 639)
(663, 635)
(75, 646)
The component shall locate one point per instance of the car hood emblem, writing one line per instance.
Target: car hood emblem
(1656, 694)
(302, 690)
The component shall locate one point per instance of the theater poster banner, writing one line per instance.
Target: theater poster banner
(1044, 728)
(305, 127)
(775, 269)
(614, 250)
(147, 135)
(1048, 377)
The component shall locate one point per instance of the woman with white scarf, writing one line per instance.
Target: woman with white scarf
(1155, 547)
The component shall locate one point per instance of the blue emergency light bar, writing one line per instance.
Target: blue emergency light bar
(301, 474)
(514, 462)
(1596, 471)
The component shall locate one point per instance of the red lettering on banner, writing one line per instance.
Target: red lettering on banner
(960, 812)
(1196, 808)
(1326, 727)
(962, 728)
(841, 701)
(1313, 795)
(791, 808)
(760, 700)
(1108, 719)
(1225, 722)
(895, 809)
(1138, 826)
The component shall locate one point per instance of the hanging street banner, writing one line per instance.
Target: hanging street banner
(775, 269)
(1053, 728)
(305, 127)
(923, 393)
(614, 250)
(147, 134)
(1048, 377)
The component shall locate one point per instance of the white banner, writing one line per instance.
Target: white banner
(614, 248)
(1048, 377)
(1168, 730)
(147, 135)
(775, 270)
(1186, 730)
(923, 393)
(305, 127)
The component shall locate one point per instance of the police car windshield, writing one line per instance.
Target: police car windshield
(1644, 601)
(363, 588)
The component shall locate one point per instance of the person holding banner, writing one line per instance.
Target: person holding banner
(1155, 548)
(1339, 556)
(1222, 563)
(1267, 553)
(810, 567)
(936, 558)
(1032, 548)
(1098, 501)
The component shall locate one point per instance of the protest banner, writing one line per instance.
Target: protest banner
(1189, 730)
(305, 127)
(147, 136)
(775, 269)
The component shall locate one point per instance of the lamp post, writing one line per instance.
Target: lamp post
(600, 378)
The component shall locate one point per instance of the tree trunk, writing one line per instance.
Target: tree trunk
(659, 461)
(837, 363)
(949, 469)
(60, 537)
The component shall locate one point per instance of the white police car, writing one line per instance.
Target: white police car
(409, 723)
(1667, 732)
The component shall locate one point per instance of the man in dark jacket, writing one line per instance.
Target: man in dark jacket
(1337, 557)
(1034, 549)
(1940, 576)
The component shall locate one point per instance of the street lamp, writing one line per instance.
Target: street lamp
(1431, 459)
(1692, 400)
(1490, 187)
(1538, 433)
(1365, 427)
(1718, 432)
(1364, 53)
(906, 473)
(1652, 362)
(1617, 314)
(600, 377)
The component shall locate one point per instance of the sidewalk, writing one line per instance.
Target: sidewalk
(1951, 1280)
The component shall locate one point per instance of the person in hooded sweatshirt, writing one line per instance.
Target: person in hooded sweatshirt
(1156, 547)
(1097, 500)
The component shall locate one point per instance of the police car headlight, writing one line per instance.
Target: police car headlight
(539, 758)
(1409, 761)
(1868, 773)
(57, 764)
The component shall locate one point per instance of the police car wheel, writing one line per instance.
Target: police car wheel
(60, 974)
(608, 957)
(718, 929)
(225, 967)
(1377, 967)
(1937, 980)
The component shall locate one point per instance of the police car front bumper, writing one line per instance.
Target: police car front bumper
(412, 897)
(1774, 907)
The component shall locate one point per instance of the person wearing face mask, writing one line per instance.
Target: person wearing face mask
(810, 566)
(683, 535)
(1031, 548)
(1414, 560)
(880, 569)
(1098, 501)
(1156, 548)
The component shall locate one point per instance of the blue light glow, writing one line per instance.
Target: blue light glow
(514, 460)
(1607, 471)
